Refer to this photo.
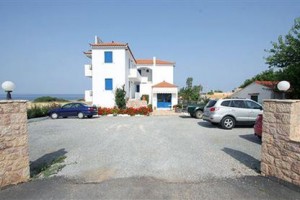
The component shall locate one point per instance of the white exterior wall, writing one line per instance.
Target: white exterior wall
(262, 91)
(146, 89)
(101, 71)
(163, 73)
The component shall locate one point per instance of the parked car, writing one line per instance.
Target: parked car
(258, 126)
(231, 112)
(73, 109)
(196, 110)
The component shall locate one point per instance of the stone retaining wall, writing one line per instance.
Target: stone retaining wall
(14, 157)
(281, 140)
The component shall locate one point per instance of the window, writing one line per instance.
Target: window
(137, 88)
(108, 84)
(108, 56)
(237, 104)
(225, 103)
(253, 105)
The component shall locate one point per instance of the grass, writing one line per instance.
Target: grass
(46, 170)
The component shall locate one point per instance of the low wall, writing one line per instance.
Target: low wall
(281, 140)
(14, 157)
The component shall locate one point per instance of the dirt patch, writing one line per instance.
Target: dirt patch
(98, 175)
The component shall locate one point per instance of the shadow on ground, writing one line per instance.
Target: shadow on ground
(244, 158)
(44, 161)
(251, 138)
(207, 124)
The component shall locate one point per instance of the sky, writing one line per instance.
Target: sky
(219, 44)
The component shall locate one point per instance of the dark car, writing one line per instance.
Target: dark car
(73, 109)
(196, 110)
(258, 126)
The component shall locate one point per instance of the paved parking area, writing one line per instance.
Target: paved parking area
(169, 148)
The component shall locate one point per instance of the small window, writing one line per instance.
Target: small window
(137, 88)
(225, 103)
(108, 84)
(108, 56)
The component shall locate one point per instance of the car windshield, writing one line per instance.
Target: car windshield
(211, 103)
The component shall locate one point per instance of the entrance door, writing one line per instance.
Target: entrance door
(164, 100)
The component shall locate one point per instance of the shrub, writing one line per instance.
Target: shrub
(120, 98)
(146, 97)
(49, 99)
(40, 111)
(130, 111)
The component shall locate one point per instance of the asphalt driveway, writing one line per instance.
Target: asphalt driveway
(174, 149)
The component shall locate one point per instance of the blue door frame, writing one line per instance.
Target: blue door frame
(164, 100)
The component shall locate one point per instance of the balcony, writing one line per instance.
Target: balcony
(134, 75)
(88, 70)
(88, 96)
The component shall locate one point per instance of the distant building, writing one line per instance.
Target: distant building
(113, 66)
(258, 91)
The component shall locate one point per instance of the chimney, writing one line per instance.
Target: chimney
(154, 60)
(96, 39)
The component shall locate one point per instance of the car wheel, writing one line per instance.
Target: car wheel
(199, 114)
(80, 115)
(90, 116)
(54, 115)
(228, 122)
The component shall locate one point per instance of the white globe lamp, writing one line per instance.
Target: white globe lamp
(8, 87)
(283, 86)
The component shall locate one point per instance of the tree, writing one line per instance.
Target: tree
(120, 98)
(285, 55)
(268, 75)
(190, 92)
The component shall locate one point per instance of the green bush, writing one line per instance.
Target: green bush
(146, 97)
(40, 111)
(49, 99)
(120, 98)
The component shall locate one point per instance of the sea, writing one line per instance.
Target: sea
(31, 97)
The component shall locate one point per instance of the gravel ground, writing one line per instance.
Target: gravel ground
(170, 148)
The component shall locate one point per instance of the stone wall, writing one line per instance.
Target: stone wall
(281, 140)
(14, 157)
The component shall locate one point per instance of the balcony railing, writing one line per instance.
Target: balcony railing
(88, 70)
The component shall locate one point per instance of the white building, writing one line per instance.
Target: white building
(258, 91)
(113, 66)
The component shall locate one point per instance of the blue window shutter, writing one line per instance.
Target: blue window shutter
(108, 84)
(108, 56)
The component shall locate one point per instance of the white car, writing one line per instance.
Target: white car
(230, 112)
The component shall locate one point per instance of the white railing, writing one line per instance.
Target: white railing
(88, 70)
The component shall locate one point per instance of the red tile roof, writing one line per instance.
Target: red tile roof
(269, 84)
(112, 44)
(164, 84)
(150, 62)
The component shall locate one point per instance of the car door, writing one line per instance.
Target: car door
(254, 109)
(66, 110)
(239, 110)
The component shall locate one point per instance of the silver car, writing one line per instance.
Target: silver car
(231, 112)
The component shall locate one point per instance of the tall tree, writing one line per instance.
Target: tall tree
(285, 55)
(190, 92)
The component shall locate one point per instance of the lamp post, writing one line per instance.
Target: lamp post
(8, 87)
(283, 86)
